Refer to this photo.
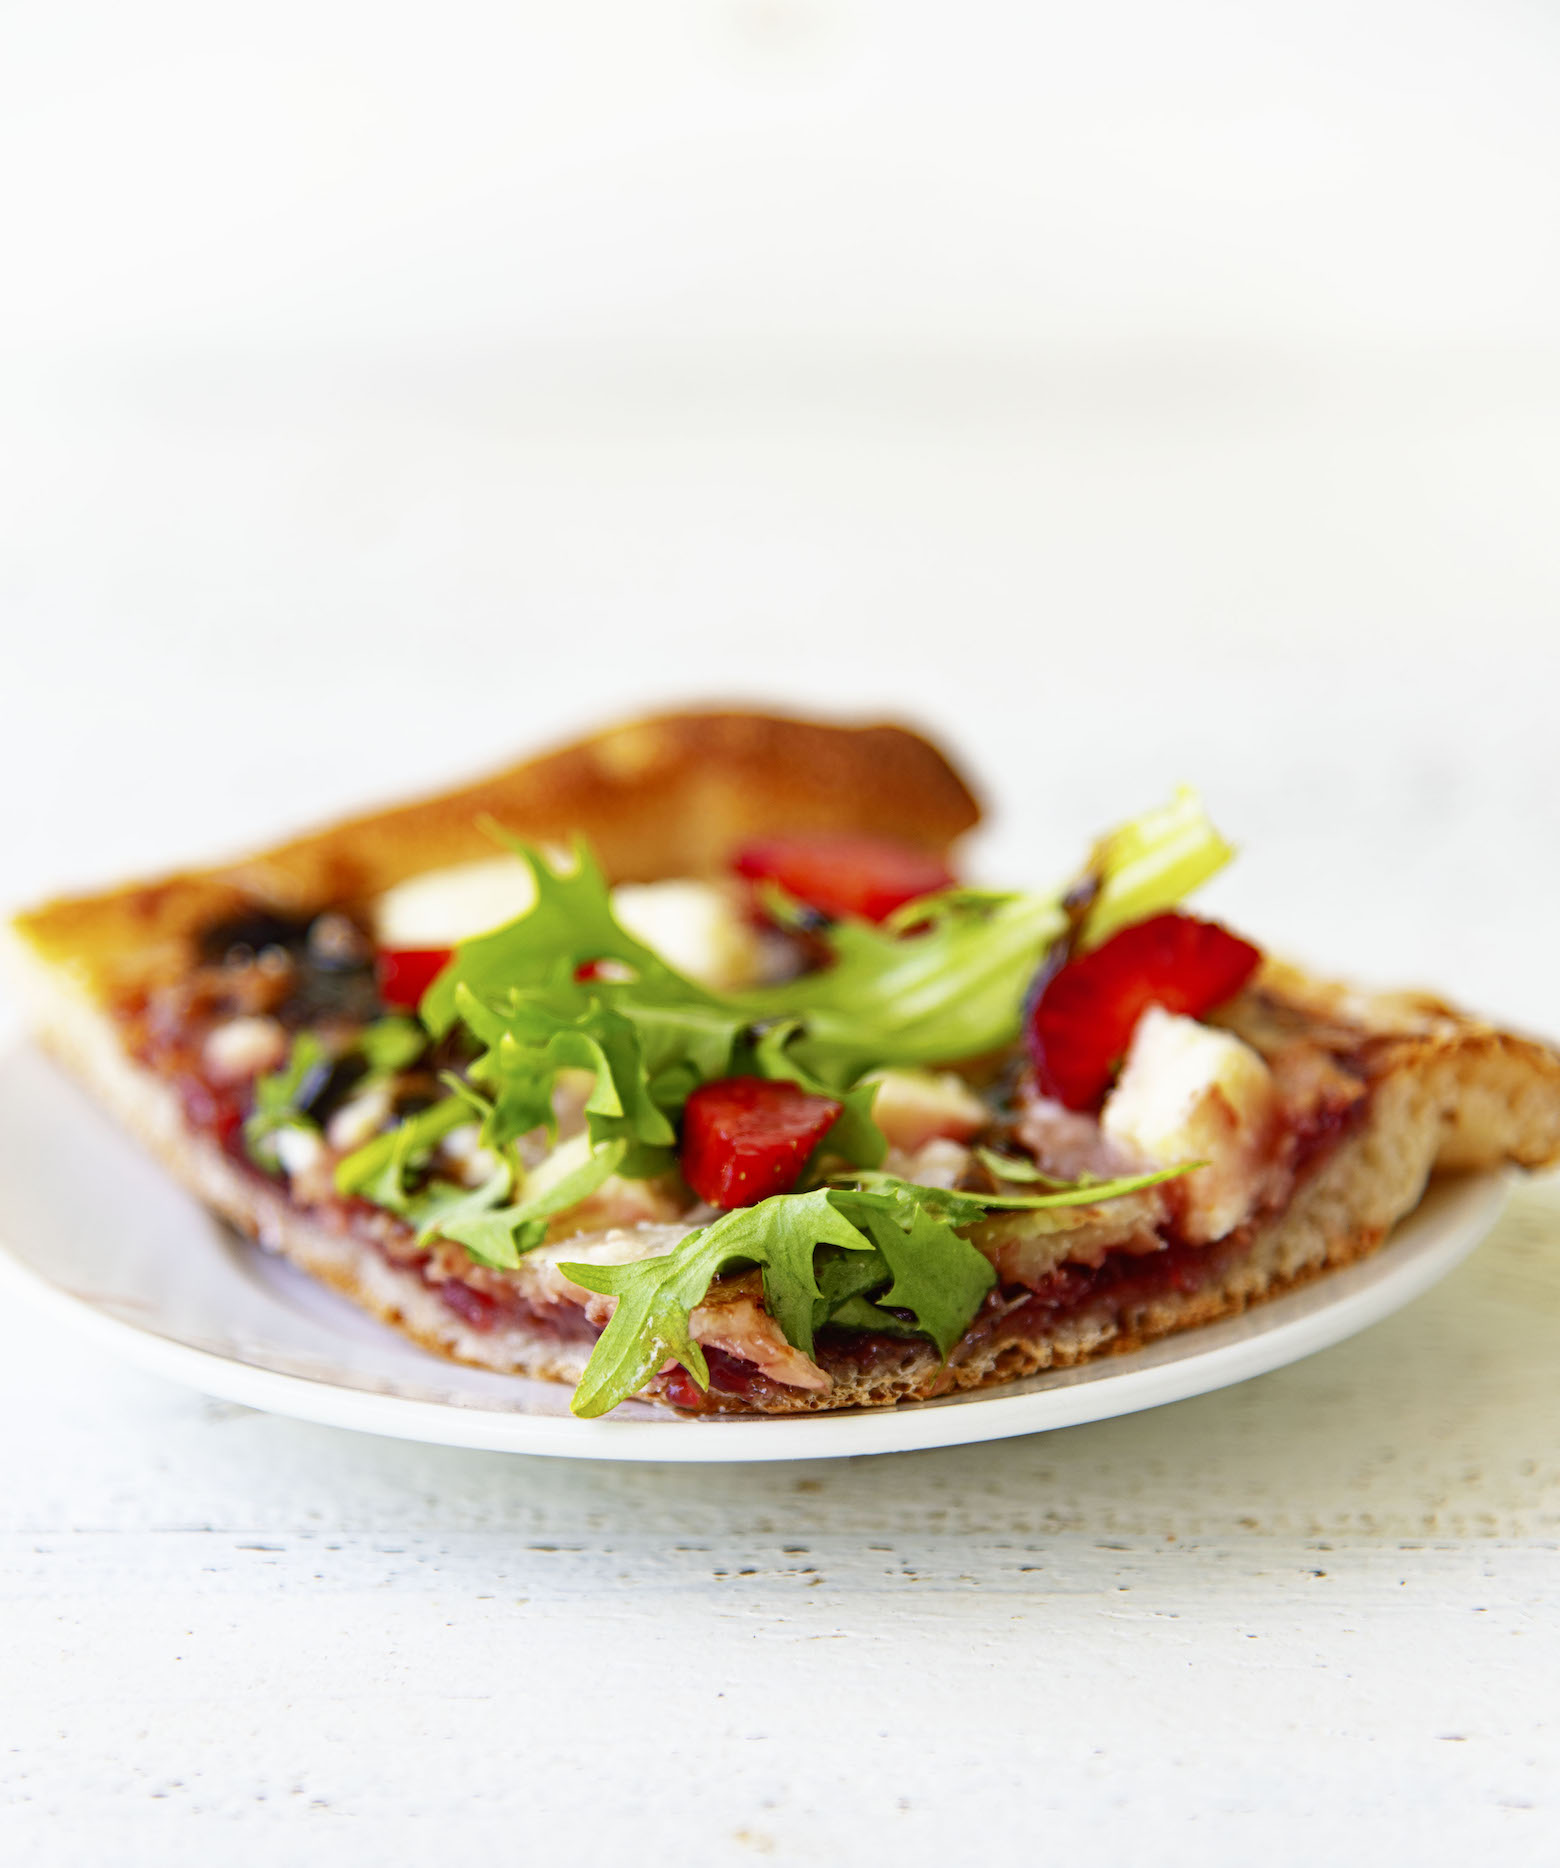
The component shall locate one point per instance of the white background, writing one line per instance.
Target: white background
(1128, 393)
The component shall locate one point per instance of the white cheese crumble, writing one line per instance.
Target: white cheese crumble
(298, 1150)
(1190, 1092)
(472, 1163)
(361, 1119)
(244, 1047)
(694, 926)
(449, 905)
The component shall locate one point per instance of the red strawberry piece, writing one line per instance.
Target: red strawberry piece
(867, 877)
(406, 973)
(1082, 1018)
(745, 1138)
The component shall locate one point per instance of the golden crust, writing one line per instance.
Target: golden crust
(666, 796)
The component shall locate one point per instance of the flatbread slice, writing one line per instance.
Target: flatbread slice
(1377, 1092)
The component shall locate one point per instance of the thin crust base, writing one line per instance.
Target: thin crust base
(1450, 1094)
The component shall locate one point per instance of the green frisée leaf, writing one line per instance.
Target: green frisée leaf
(282, 1096)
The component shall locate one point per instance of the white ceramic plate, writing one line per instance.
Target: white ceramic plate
(95, 1233)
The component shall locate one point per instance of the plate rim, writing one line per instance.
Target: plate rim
(1452, 1218)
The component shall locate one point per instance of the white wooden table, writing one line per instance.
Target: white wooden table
(1314, 1616)
(1239, 467)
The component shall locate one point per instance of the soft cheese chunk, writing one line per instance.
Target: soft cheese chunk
(449, 905)
(1192, 1093)
(912, 1107)
(695, 926)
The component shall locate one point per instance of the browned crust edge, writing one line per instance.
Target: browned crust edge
(665, 796)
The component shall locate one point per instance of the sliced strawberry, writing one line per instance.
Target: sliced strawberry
(868, 877)
(745, 1138)
(1082, 1018)
(406, 973)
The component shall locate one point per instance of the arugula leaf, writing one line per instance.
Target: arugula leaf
(377, 1171)
(858, 1313)
(443, 1202)
(845, 1276)
(579, 1180)
(966, 1207)
(531, 1041)
(390, 1044)
(932, 1272)
(1016, 1168)
(570, 923)
(656, 1296)
(942, 980)
(282, 1097)
(499, 1236)
(938, 1276)
(855, 1136)
(895, 1234)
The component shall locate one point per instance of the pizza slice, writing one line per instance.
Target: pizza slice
(679, 1063)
